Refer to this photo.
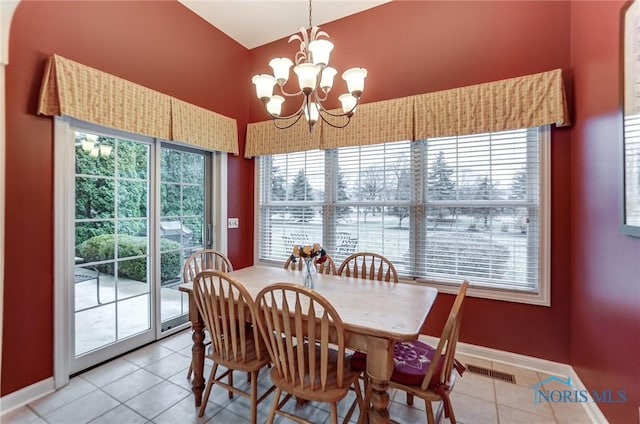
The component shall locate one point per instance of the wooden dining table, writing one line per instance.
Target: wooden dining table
(375, 316)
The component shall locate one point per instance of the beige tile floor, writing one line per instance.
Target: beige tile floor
(149, 385)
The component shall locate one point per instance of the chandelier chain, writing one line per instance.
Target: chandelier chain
(310, 14)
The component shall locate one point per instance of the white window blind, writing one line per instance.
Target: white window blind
(442, 210)
(292, 196)
(632, 169)
(481, 211)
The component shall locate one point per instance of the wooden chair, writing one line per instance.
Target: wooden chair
(306, 342)
(205, 259)
(326, 267)
(223, 303)
(436, 377)
(368, 266)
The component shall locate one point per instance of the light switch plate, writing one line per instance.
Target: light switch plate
(232, 223)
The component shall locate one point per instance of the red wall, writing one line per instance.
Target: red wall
(605, 300)
(161, 45)
(417, 47)
(408, 48)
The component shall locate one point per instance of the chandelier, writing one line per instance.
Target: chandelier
(315, 80)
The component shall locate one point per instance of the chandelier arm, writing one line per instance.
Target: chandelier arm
(337, 115)
(319, 98)
(331, 124)
(284, 127)
(297, 113)
(287, 94)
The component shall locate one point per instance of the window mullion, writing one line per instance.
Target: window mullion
(330, 199)
(417, 210)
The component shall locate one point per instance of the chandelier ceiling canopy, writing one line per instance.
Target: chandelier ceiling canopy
(315, 80)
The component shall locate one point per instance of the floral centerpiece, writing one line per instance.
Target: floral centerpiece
(310, 255)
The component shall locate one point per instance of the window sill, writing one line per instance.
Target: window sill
(539, 298)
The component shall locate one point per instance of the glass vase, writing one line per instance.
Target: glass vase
(309, 273)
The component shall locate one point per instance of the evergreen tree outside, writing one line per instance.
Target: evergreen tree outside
(484, 191)
(519, 192)
(519, 186)
(301, 191)
(182, 192)
(440, 185)
(278, 190)
(342, 211)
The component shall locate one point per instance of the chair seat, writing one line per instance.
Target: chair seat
(332, 392)
(411, 361)
(248, 363)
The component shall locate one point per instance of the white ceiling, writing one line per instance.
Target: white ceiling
(253, 23)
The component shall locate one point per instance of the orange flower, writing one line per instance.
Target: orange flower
(309, 251)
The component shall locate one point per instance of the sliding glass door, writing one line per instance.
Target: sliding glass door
(112, 286)
(184, 224)
(141, 208)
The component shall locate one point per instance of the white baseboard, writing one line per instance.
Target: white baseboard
(26, 395)
(531, 363)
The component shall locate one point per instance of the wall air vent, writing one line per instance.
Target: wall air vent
(498, 375)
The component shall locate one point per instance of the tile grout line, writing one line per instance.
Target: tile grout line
(495, 398)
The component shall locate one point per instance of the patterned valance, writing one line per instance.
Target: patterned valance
(211, 130)
(72, 89)
(522, 102)
(263, 138)
(372, 123)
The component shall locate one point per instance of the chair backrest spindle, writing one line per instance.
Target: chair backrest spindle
(446, 348)
(225, 306)
(301, 330)
(205, 259)
(368, 266)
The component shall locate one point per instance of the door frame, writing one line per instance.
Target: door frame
(63, 220)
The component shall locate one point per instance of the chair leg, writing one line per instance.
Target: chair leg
(429, 408)
(359, 401)
(350, 412)
(254, 396)
(274, 405)
(409, 399)
(452, 416)
(334, 413)
(190, 371)
(207, 392)
(230, 377)
(364, 417)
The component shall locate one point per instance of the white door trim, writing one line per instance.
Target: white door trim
(63, 214)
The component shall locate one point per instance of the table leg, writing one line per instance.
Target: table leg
(197, 351)
(379, 368)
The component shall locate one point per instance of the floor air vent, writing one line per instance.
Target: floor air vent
(498, 375)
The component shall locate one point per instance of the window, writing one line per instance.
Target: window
(442, 209)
